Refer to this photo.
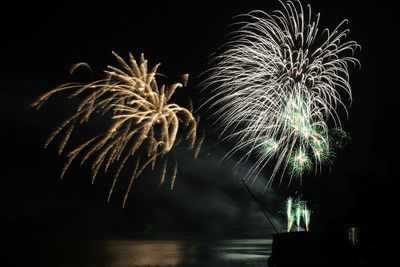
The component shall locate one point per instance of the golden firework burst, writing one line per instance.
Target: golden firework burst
(144, 122)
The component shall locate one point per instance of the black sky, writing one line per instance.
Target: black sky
(41, 41)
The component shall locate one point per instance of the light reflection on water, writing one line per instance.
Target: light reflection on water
(238, 252)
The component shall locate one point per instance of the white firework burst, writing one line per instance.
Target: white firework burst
(277, 84)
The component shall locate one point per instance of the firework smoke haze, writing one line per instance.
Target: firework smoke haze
(277, 85)
(144, 124)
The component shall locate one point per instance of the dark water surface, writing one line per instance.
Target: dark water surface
(121, 253)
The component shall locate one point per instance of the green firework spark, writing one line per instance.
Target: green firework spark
(289, 213)
(300, 163)
(299, 212)
(268, 146)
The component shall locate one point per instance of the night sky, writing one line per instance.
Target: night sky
(39, 43)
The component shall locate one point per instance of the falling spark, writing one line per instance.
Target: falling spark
(143, 118)
(278, 85)
(77, 65)
(199, 143)
(174, 175)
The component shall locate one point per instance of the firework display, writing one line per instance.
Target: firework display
(277, 89)
(289, 213)
(297, 209)
(144, 123)
(298, 213)
(306, 217)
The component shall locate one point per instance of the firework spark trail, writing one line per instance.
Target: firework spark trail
(277, 85)
(289, 213)
(296, 209)
(142, 117)
(306, 217)
(299, 212)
